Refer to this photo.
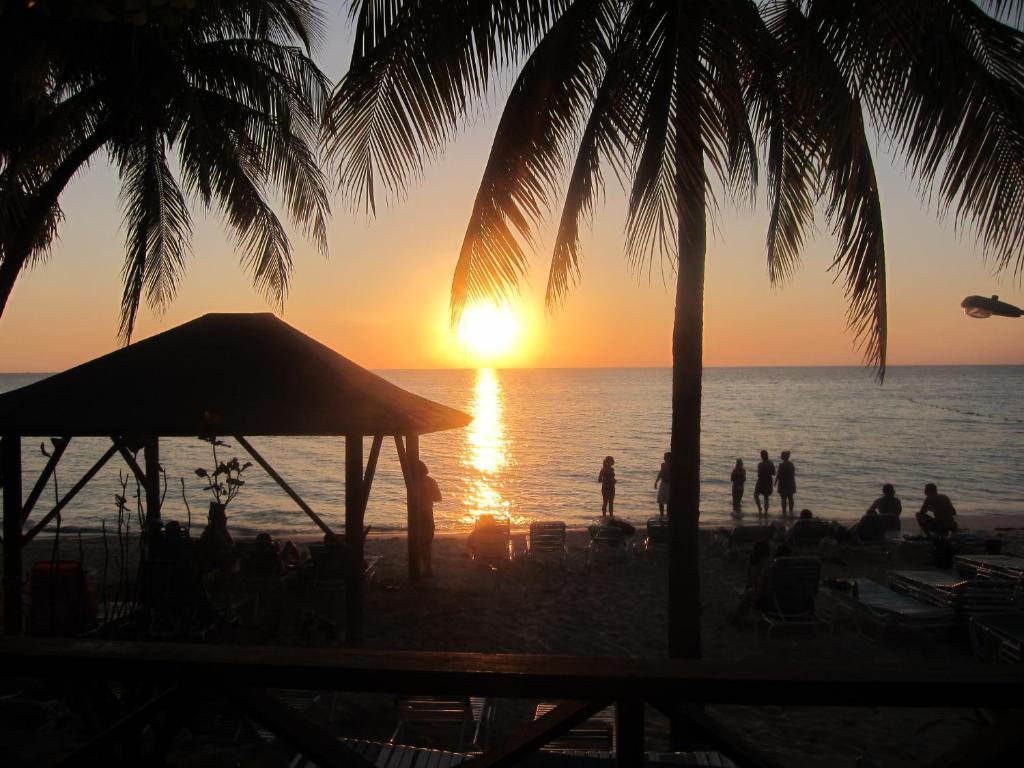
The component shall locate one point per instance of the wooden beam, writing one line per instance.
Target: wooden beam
(66, 499)
(539, 732)
(60, 444)
(721, 681)
(400, 449)
(133, 465)
(151, 454)
(354, 505)
(284, 486)
(10, 462)
(698, 725)
(629, 727)
(412, 489)
(371, 468)
(316, 744)
(94, 751)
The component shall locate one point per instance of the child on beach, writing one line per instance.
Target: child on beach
(739, 479)
(606, 477)
(663, 478)
(763, 486)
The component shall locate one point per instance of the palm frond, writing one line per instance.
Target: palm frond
(402, 99)
(158, 230)
(548, 101)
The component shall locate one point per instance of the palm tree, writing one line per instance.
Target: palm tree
(680, 99)
(217, 103)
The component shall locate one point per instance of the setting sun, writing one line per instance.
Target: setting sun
(488, 332)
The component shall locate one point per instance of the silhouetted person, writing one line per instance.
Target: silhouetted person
(760, 557)
(786, 483)
(871, 528)
(765, 480)
(264, 560)
(664, 479)
(888, 507)
(739, 480)
(942, 522)
(808, 531)
(429, 493)
(216, 547)
(606, 477)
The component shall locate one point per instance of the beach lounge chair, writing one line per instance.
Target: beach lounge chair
(878, 609)
(594, 735)
(990, 567)
(964, 597)
(490, 543)
(547, 540)
(606, 542)
(460, 723)
(657, 539)
(790, 586)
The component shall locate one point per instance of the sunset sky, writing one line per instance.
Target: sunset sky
(382, 296)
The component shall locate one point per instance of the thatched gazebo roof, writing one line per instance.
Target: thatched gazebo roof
(223, 374)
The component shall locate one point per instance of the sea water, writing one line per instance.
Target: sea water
(538, 436)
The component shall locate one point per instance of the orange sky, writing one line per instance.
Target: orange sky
(381, 298)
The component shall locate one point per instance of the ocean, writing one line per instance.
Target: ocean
(538, 436)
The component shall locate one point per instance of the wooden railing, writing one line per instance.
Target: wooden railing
(679, 689)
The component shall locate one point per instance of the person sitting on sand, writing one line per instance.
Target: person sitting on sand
(808, 531)
(943, 522)
(785, 481)
(216, 548)
(738, 479)
(663, 478)
(264, 560)
(870, 529)
(888, 506)
(606, 477)
(760, 557)
(763, 486)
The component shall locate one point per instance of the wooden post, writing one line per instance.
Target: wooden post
(354, 537)
(10, 465)
(412, 485)
(151, 452)
(629, 724)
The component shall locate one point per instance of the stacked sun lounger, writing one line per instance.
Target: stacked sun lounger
(964, 597)
(990, 567)
(999, 637)
(878, 609)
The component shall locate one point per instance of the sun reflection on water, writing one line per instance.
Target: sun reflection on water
(487, 453)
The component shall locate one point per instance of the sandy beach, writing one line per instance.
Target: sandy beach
(618, 609)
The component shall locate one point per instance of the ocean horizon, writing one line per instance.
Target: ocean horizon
(538, 436)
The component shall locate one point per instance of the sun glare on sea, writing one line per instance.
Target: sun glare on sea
(488, 332)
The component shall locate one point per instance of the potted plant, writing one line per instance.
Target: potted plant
(224, 481)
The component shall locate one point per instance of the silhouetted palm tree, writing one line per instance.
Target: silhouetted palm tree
(681, 98)
(215, 102)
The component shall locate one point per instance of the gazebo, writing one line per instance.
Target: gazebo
(238, 375)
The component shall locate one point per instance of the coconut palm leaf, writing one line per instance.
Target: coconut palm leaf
(537, 128)
(158, 229)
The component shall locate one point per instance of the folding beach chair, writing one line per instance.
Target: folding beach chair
(657, 539)
(490, 543)
(456, 722)
(788, 593)
(547, 539)
(594, 736)
(606, 542)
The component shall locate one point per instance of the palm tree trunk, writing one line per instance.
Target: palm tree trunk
(684, 607)
(17, 252)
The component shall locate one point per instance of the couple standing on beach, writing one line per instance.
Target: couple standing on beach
(607, 479)
(767, 478)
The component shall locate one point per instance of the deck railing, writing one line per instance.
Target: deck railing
(679, 689)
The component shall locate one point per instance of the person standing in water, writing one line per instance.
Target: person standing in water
(606, 477)
(739, 479)
(663, 478)
(786, 482)
(765, 479)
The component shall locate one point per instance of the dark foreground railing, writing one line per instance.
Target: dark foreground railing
(679, 689)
